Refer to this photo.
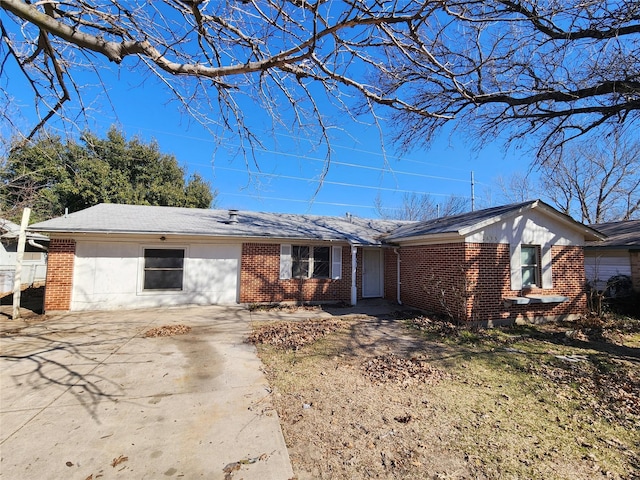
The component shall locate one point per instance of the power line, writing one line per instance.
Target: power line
(342, 184)
(384, 155)
(334, 162)
(364, 167)
(299, 201)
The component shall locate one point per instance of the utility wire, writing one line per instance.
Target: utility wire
(342, 184)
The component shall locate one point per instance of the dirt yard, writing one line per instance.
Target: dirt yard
(407, 397)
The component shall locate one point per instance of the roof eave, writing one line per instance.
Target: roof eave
(589, 233)
(447, 237)
(497, 218)
(80, 232)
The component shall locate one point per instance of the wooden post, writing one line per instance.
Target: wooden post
(17, 279)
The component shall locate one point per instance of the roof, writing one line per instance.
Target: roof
(144, 219)
(619, 234)
(466, 223)
(107, 218)
(11, 231)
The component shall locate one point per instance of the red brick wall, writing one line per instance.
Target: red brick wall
(57, 294)
(431, 277)
(489, 273)
(470, 281)
(488, 267)
(260, 279)
(390, 275)
(635, 270)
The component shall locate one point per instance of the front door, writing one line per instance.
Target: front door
(372, 273)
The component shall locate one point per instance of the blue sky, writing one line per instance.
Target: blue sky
(290, 167)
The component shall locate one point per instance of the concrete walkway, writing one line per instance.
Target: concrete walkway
(87, 396)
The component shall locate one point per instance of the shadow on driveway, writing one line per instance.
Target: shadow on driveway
(86, 395)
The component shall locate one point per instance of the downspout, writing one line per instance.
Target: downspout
(395, 250)
(354, 263)
(36, 245)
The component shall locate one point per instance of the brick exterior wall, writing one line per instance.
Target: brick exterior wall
(470, 281)
(59, 286)
(430, 275)
(390, 275)
(489, 277)
(260, 279)
(635, 269)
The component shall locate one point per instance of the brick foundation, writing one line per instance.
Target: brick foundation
(59, 286)
(260, 279)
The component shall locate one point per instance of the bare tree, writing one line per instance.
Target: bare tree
(541, 70)
(421, 207)
(516, 188)
(596, 181)
(509, 69)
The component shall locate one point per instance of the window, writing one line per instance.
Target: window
(163, 269)
(304, 261)
(300, 261)
(530, 264)
(310, 262)
(321, 262)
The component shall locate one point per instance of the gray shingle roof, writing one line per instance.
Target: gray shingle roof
(466, 222)
(141, 219)
(620, 234)
(455, 223)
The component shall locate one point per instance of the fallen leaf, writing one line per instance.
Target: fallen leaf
(119, 460)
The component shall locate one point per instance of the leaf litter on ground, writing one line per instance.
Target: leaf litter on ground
(167, 331)
(293, 335)
(391, 368)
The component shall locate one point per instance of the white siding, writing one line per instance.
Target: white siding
(108, 275)
(601, 266)
(531, 228)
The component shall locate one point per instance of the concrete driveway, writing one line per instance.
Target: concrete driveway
(87, 396)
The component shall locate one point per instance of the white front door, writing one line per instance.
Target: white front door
(372, 280)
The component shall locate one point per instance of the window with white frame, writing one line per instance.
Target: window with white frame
(163, 268)
(530, 264)
(310, 261)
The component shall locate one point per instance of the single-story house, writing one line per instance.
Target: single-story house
(617, 256)
(34, 260)
(522, 260)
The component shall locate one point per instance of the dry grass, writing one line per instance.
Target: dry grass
(505, 403)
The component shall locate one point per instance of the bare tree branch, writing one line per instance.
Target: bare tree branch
(597, 181)
(538, 72)
(422, 207)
